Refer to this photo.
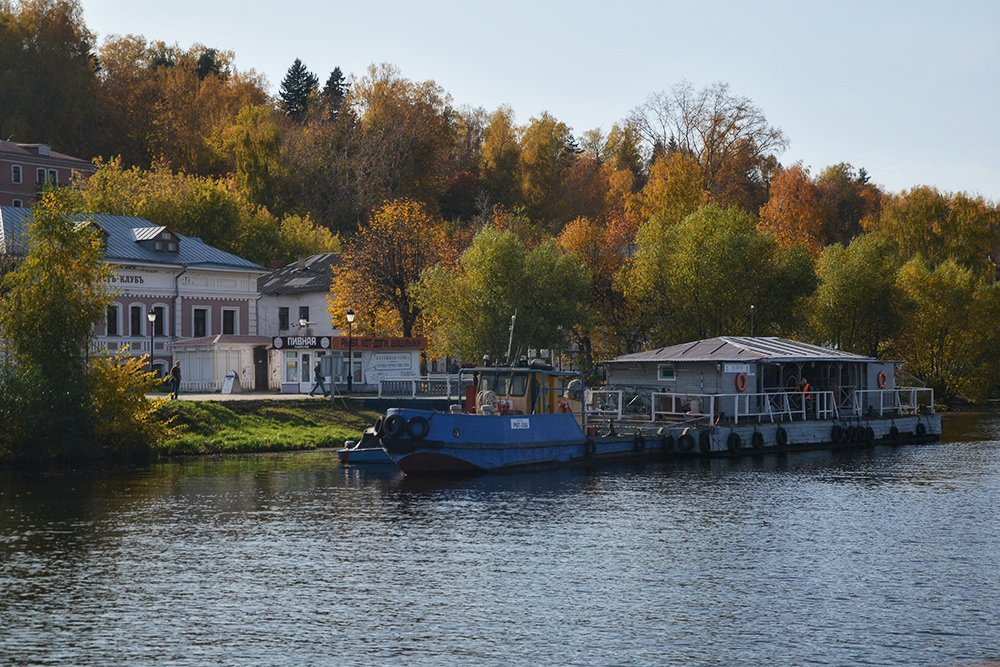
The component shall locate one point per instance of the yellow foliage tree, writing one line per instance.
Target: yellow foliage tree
(380, 265)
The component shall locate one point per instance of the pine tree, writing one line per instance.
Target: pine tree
(299, 83)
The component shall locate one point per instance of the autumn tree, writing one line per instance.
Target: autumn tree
(608, 331)
(380, 265)
(858, 306)
(49, 90)
(501, 159)
(793, 214)
(846, 198)
(298, 86)
(471, 306)
(698, 279)
(674, 190)
(402, 144)
(727, 134)
(951, 333)
(548, 152)
(926, 223)
(169, 105)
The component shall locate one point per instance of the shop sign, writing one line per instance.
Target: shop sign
(377, 343)
(301, 342)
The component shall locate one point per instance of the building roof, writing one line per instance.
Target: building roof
(12, 150)
(736, 349)
(222, 340)
(123, 242)
(308, 274)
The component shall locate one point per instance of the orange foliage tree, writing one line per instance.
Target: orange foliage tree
(793, 214)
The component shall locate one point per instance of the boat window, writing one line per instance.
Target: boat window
(517, 384)
(487, 381)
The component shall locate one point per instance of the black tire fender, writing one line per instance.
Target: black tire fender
(394, 425)
(418, 427)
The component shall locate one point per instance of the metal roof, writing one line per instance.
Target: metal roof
(735, 348)
(309, 274)
(122, 241)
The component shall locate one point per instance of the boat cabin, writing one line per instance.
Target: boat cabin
(739, 378)
(525, 390)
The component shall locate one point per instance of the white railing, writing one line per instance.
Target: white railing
(901, 401)
(672, 406)
(788, 405)
(444, 386)
(765, 405)
(604, 403)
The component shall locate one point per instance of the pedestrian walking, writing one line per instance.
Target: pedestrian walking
(318, 384)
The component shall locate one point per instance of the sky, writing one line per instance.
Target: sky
(910, 91)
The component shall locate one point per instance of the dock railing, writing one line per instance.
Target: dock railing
(900, 401)
(778, 405)
(604, 403)
(432, 386)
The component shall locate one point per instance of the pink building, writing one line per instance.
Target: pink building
(24, 168)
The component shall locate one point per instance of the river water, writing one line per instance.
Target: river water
(884, 556)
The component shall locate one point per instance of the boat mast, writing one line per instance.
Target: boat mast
(510, 339)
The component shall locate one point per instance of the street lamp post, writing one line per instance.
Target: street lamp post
(350, 348)
(151, 316)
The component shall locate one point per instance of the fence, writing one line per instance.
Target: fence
(438, 386)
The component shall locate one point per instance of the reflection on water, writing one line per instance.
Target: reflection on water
(885, 556)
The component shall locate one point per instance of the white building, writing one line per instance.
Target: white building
(170, 289)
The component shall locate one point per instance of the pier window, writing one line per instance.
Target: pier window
(54, 176)
(283, 318)
(40, 176)
(17, 203)
(304, 313)
(15, 173)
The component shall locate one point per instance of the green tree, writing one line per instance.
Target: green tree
(699, 278)
(951, 334)
(858, 306)
(298, 86)
(470, 306)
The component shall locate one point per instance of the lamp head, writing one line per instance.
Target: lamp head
(350, 315)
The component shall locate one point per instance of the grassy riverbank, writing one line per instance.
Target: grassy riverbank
(233, 427)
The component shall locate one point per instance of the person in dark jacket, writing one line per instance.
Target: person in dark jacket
(318, 384)
(175, 378)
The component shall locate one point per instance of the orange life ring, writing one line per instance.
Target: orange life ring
(563, 406)
(883, 379)
(741, 382)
